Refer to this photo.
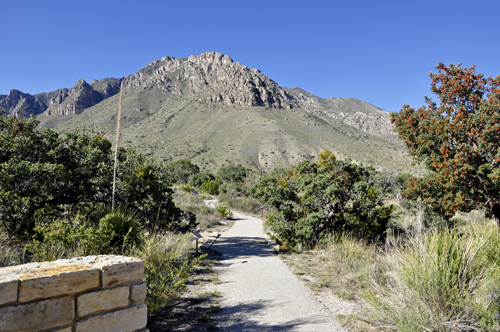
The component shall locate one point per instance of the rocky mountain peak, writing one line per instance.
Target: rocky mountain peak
(214, 77)
(74, 100)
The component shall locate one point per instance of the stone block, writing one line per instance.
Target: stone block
(119, 270)
(51, 280)
(138, 292)
(64, 329)
(8, 288)
(126, 320)
(103, 300)
(50, 314)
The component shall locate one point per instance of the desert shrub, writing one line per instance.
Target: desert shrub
(223, 211)
(182, 169)
(10, 253)
(125, 225)
(315, 200)
(232, 173)
(45, 174)
(167, 264)
(196, 180)
(211, 187)
(442, 281)
(114, 233)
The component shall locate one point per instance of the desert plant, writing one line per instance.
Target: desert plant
(167, 263)
(223, 211)
(315, 200)
(443, 281)
(211, 187)
(457, 140)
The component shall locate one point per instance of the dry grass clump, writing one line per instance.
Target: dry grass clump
(441, 281)
(244, 204)
(205, 216)
(420, 280)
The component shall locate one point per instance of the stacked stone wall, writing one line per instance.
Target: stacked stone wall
(93, 293)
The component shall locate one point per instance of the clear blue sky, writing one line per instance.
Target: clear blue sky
(377, 51)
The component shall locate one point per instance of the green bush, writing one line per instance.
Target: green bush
(232, 173)
(125, 226)
(315, 200)
(196, 180)
(115, 233)
(211, 187)
(223, 211)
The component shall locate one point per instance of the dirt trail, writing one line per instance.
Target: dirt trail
(259, 292)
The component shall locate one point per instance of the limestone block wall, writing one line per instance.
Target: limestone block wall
(93, 293)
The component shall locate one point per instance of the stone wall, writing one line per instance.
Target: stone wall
(93, 293)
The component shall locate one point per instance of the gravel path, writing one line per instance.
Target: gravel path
(259, 292)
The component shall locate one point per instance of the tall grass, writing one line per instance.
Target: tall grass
(206, 217)
(244, 204)
(442, 281)
(168, 264)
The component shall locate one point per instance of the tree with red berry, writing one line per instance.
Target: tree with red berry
(458, 140)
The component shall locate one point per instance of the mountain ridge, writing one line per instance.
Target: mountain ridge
(184, 107)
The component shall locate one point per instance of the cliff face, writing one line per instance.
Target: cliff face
(214, 77)
(19, 104)
(74, 100)
(62, 101)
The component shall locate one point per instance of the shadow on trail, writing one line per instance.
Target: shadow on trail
(236, 319)
(241, 247)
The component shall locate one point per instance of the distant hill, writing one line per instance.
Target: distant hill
(215, 111)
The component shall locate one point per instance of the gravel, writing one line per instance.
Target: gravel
(259, 292)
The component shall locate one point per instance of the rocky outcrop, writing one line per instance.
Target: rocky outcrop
(215, 78)
(74, 100)
(107, 87)
(18, 103)
(354, 112)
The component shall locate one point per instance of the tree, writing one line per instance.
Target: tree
(457, 140)
(314, 200)
(145, 186)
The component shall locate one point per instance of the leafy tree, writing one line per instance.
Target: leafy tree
(182, 169)
(232, 173)
(314, 200)
(457, 140)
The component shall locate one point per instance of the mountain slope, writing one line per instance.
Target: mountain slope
(216, 111)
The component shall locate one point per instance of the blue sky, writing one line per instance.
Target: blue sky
(377, 51)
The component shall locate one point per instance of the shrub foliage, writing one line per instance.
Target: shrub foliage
(458, 141)
(314, 200)
(45, 174)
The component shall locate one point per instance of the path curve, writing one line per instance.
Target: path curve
(259, 292)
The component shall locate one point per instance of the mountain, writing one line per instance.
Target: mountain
(215, 111)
